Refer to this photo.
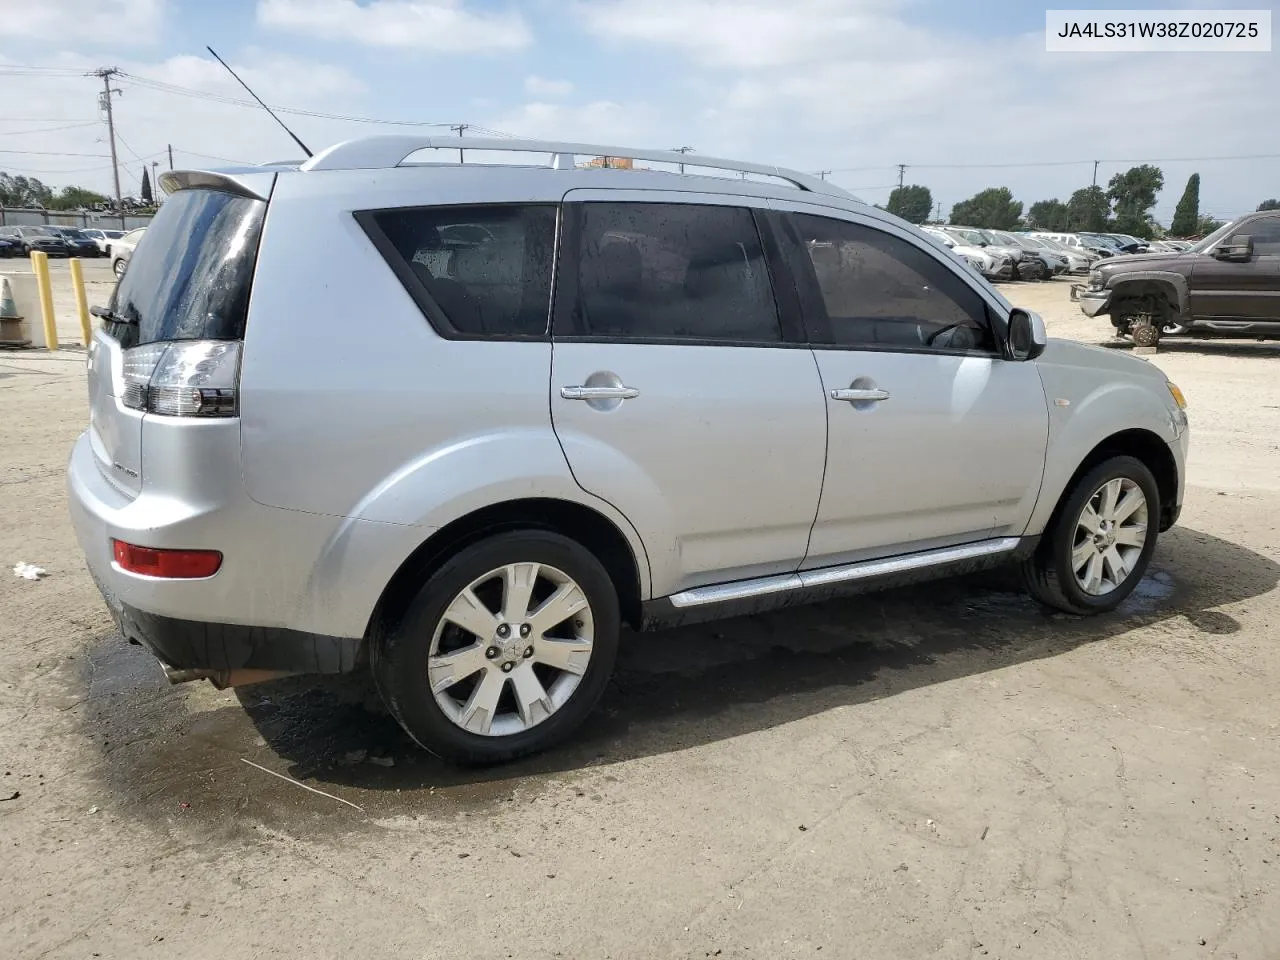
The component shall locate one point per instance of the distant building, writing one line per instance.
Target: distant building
(611, 163)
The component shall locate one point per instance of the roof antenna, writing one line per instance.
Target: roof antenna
(260, 103)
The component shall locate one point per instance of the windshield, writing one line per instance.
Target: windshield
(189, 277)
(38, 232)
(1202, 245)
(972, 237)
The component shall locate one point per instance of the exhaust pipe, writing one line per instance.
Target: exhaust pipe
(223, 678)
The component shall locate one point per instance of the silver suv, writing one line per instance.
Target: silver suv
(460, 422)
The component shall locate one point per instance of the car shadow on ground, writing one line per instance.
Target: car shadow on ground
(672, 690)
(1205, 346)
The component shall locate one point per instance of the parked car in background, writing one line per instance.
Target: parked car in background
(990, 264)
(1054, 264)
(78, 245)
(602, 372)
(1227, 285)
(1025, 267)
(9, 247)
(122, 250)
(37, 238)
(1130, 244)
(103, 238)
(1078, 260)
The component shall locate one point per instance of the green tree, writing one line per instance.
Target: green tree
(1208, 224)
(1088, 210)
(1187, 214)
(1134, 194)
(1048, 215)
(19, 191)
(913, 203)
(993, 208)
(1269, 205)
(145, 193)
(75, 198)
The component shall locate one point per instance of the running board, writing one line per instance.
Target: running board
(809, 586)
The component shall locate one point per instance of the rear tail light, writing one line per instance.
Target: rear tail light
(186, 378)
(169, 564)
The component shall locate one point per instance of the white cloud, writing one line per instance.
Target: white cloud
(86, 21)
(542, 87)
(149, 119)
(599, 121)
(422, 24)
(831, 84)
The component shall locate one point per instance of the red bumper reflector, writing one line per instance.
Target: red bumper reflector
(169, 564)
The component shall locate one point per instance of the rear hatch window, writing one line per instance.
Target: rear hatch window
(190, 275)
(168, 343)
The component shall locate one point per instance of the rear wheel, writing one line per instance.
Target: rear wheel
(504, 651)
(1098, 547)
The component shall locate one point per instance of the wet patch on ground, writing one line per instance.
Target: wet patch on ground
(178, 753)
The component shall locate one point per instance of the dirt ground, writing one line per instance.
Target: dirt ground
(944, 771)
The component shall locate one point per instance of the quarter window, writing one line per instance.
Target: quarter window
(480, 271)
(882, 292)
(653, 271)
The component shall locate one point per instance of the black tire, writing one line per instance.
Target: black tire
(399, 658)
(1048, 573)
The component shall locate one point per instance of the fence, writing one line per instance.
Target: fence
(35, 216)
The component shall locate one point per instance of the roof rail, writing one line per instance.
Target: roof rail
(378, 153)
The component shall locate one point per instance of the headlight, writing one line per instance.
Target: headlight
(1178, 398)
(1095, 280)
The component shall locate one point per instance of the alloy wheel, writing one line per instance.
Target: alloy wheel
(1110, 534)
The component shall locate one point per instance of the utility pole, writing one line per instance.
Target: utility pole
(822, 174)
(104, 101)
(171, 156)
(937, 216)
(460, 127)
(1095, 173)
(155, 183)
(682, 151)
(902, 172)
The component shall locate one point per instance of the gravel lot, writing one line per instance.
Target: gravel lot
(944, 771)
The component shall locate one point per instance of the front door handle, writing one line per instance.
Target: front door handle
(860, 394)
(599, 393)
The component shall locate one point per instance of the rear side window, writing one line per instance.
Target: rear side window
(655, 271)
(190, 275)
(879, 291)
(476, 272)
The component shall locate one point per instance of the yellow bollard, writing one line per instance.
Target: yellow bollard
(82, 301)
(40, 267)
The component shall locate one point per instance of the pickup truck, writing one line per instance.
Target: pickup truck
(1226, 285)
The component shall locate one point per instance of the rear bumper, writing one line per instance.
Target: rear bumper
(295, 591)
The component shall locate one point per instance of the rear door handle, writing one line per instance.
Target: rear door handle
(860, 395)
(599, 393)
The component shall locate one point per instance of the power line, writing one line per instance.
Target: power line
(69, 126)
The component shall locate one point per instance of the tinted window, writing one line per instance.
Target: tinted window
(189, 278)
(879, 290)
(1266, 236)
(475, 271)
(653, 271)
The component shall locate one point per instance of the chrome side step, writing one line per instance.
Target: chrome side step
(888, 569)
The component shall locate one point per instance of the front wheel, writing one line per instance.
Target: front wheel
(1100, 543)
(118, 268)
(504, 651)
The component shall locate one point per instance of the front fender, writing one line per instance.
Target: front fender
(1092, 416)
(1174, 284)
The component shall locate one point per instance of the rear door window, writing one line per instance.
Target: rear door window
(190, 275)
(476, 272)
(667, 272)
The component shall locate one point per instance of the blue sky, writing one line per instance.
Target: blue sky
(963, 92)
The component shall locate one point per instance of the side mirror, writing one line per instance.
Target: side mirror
(1236, 250)
(1026, 338)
